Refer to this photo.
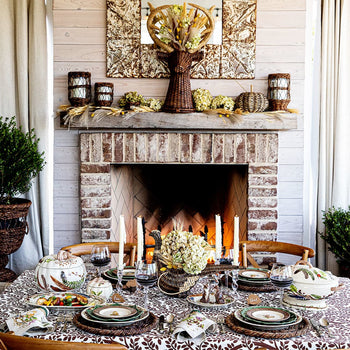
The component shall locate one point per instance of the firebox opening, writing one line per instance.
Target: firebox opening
(191, 194)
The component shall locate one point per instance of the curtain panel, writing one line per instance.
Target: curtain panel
(24, 94)
(334, 117)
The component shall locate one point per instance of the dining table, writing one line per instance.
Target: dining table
(337, 335)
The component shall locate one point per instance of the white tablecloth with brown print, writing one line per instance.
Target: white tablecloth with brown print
(12, 301)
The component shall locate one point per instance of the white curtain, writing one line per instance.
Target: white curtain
(24, 93)
(334, 118)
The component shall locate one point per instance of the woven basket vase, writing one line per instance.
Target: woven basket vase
(179, 94)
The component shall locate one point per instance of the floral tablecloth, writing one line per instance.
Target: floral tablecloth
(12, 301)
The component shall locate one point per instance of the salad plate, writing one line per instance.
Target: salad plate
(64, 301)
(194, 299)
(268, 315)
(114, 311)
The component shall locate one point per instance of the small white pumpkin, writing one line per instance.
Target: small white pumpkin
(60, 273)
(100, 287)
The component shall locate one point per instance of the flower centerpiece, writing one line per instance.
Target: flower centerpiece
(181, 34)
(184, 250)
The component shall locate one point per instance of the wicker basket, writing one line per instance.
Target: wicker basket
(13, 227)
(178, 282)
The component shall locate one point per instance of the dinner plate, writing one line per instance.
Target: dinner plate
(143, 315)
(254, 274)
(91, 301)
(264, 327)
(252, 282)
(195, 300)
(114, 311)
(268, 315)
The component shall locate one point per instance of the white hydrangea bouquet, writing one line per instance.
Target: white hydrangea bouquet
(184, 250)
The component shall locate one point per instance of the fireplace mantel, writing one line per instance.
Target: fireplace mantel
(268, 121)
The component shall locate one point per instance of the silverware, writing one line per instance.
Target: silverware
(161, 324)
(316, 327)
(325, 325)
(221, 322)
(170, 320)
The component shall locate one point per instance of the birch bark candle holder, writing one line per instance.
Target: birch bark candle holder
(278, 92)
(79, 88)
(103, 94)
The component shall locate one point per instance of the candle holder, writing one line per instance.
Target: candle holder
(103, 94)
(119, 286)
(79, 88)
(278, 92)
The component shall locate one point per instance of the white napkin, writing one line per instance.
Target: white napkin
(193, 328)
(30, 322)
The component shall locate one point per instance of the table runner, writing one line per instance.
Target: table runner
(12, 301)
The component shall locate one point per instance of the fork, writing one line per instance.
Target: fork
(221, 322)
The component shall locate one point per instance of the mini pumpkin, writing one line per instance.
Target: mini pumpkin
(252, 102)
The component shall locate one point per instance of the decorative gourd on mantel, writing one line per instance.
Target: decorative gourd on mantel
(252, 102)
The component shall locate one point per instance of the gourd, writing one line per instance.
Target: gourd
(252, 102)
(60, 273)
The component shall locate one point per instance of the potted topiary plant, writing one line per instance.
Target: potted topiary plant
(337, 235)
(20, 162)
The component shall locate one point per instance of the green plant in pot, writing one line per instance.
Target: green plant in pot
(20, 163)
(337, 235)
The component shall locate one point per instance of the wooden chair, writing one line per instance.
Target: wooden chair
(15, 342)
(85, 249)
(247, 247)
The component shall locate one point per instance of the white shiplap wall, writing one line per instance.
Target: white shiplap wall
(79, 44)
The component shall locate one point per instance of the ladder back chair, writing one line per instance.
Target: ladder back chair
(15, 342)
(247, 247)
(85, 249)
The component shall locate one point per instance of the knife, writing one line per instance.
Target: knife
(316, 327)
(161, 324)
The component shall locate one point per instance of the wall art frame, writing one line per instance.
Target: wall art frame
(233, 59)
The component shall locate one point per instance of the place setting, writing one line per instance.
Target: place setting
(255, 280)
(267, 322)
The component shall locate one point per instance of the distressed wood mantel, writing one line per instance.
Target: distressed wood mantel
(188, 122)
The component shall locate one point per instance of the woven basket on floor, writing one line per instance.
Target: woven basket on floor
(13, 227)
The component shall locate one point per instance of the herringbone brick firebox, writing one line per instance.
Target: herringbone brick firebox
(111, 185)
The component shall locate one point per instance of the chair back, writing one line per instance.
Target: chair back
(15, 342)
(85, 249)
(247, 247)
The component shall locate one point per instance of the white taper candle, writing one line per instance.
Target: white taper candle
(236, 240)
(218, 237)
(122, 238)
(139, 238)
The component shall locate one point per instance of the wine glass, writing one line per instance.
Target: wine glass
(281, 277)
(100, 256)
(146, 275)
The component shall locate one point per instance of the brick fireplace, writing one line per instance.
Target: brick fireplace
(106, 181)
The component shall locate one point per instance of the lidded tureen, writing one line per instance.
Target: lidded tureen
(60, 273)
(311, 286)
(100, 287)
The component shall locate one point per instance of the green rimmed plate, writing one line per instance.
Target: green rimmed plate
(268, 315)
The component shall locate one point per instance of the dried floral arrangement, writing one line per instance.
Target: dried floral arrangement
(184, 250)
(173, 28)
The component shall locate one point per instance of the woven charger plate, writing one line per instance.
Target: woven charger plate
(139, 328)
(289, 332)
(262, 288)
